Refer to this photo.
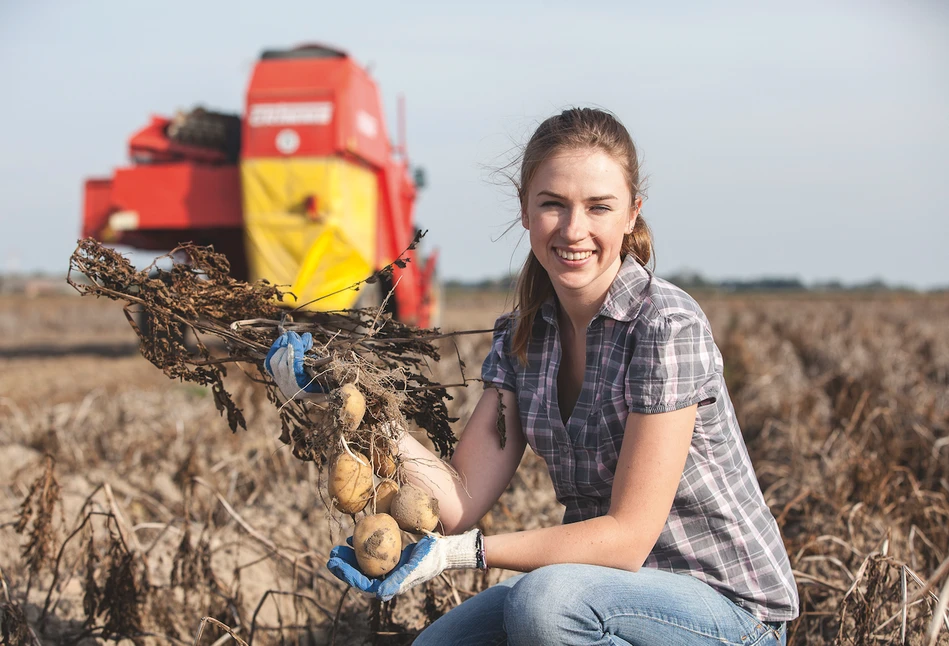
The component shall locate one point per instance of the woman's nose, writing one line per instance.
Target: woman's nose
(574, 225)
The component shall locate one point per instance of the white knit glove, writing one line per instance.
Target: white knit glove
(430, 557)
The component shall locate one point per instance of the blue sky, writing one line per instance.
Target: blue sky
(803, 139)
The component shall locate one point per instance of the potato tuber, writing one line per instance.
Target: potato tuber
(383, 459)
(350, 482)
(414, 510)
(385, 492)
(378, 544)
(352, 407)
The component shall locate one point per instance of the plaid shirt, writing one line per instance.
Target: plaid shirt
(650, 350)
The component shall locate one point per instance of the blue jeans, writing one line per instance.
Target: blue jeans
(590, 605)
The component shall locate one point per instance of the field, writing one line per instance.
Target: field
(166, 517)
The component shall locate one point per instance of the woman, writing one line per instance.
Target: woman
(611, 375)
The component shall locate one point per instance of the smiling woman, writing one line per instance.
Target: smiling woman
(577, 238)
(611, 376)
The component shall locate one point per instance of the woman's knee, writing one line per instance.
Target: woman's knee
(545, 602)
(479, 620)
(540, 589)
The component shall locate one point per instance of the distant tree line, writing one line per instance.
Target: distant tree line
(694, 281)
(503, 284)
(690, 280)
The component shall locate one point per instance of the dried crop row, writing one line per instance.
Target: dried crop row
(845, 407)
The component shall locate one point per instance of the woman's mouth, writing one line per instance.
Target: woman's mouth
(566, 254)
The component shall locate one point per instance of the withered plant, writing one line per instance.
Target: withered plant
(37, 512)
(386, 358)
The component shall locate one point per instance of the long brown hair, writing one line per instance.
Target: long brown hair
(573, 129)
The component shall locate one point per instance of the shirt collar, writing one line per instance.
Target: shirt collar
(624, 298)
(628, 291)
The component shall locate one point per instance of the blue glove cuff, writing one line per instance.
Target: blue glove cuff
(298, 345)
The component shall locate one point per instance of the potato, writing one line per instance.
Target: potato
(352, 407)
(383, 460)
(350, 482)
(414, 510)
(378, 544)
(385, 492)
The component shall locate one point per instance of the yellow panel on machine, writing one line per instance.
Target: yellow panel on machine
(311, 225)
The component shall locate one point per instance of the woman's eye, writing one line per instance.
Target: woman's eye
(551, 203)
(600, 208)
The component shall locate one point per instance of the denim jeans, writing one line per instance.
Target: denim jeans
(592, 606)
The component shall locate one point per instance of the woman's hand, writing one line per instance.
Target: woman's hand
(420, 562)
(428, 558)
(343, 564)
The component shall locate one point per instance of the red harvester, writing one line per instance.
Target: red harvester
(305, 190)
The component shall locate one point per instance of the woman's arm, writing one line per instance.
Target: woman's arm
(483, 468)
(648, 471)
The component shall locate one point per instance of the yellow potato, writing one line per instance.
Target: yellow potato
(385, 492)
(352, 407)
(350, 482)
(414, 510)
(378, 544)
(382, 458)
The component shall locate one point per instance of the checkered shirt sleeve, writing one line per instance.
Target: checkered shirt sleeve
(498, 369)
(673, 365)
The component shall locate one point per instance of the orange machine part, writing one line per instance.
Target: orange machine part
(180, 195)
(166, 196)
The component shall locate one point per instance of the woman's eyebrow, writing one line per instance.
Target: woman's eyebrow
(551, 194)
(595, 198)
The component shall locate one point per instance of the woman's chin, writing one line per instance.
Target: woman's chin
(571, 282)
(588, 277)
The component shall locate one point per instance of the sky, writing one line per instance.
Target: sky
(806, 140)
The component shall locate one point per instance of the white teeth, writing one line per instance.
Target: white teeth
(573, 255)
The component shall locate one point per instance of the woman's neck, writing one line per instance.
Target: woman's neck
(578, 307)
(577, 310)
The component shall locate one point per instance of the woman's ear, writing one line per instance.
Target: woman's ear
(525, 221)
(634, 214)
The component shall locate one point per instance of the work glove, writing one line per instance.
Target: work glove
(420, 562)
(284, 363)
(343, 564)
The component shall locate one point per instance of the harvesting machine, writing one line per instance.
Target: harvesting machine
(304, 190)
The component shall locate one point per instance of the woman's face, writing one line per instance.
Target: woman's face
(579, 207)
